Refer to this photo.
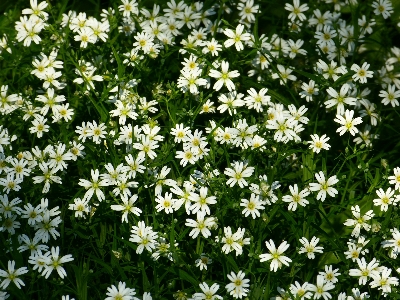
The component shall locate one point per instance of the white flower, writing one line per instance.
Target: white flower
(296, 197)
(393, 243)
(127, 207)
(200, 201)
(39, 126)
(310, 247)
(48, 177)
(294, 48)
(383, 7)
(97, 132)
(230, 101)
(361, 72)
(236, 37)
(38, 260)
(395, 179)
(207, 292)
(8, 208)
(208, 107)
(383, 281)
(122, 292)
(212, 46)
(57, 158)
(80, 206)
(339, 99)
(162, 180)
(357, 295)
(11, 183)
(308, 90)
(359, 221)
(94, 186)
(252, 206)
(189, 17)
(144, 42)
(183, 196)
(144, 236)
(47, 227)
(187, 156)
(146, 147)
(30, 30)
(189, 81)
(54, 262)
(257, 99)
(329, 274)
(297, 115)
(385, 198)
(129, 7)
(174, 8)
(85, 35)
(203, 261)
(165, 203)
(200, 225)
(296, 10)
(325, 37)
(276, 255)
(283, 128)
(12, 274)
(330, 70)
(319, 143)
(122, 111)
(238, 173)
(224, 77)
(301, 291)
(238, 288)
(365, 270)
(36, 9)
(390, 96)
(348, 123)
(179, 132)
(321, 288)
(353, 252)
(247, 9)
(33, 214)
(230, 241)
(283, 74)
(324, 186)
(366, 137)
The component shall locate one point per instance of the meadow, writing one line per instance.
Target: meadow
(229, 149)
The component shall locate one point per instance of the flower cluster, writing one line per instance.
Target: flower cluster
(164, 144)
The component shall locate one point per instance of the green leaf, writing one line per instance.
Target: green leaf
(185, 276)
(232, 262)
(105, 266)
(121, 66)
(343, 79)
(278, 97)
(316, 78)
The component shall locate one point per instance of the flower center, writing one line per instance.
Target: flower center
(296, 198)
(238, 282)
(201, 225)
(349, 125)
(310, 249)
